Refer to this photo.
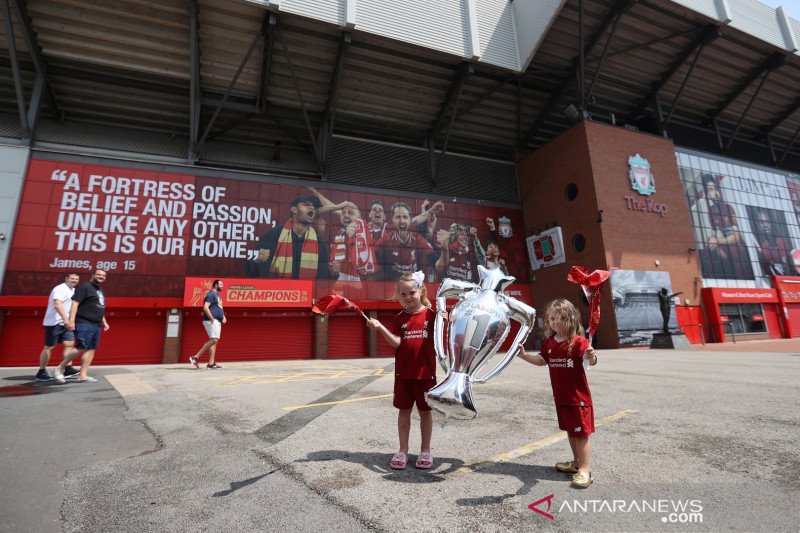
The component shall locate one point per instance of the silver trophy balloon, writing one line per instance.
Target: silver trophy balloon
(479, 323)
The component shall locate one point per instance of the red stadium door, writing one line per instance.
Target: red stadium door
(384, 348)
(135, 337)
(347, 335)
(252, 335)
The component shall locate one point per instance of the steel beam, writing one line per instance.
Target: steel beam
(703, 37)
(685, 82)
(786, 113)
(743, 114)
(718, 134)
(39, 86)
(587, 95)
(195, 91)
(487, 94)
(21, 10)
(232, 83)
(643, 45)
(775, 60)
(12, 50)
(771, 147)
(659, 116)
(299, 93)
(789, 146)
(329, 116)
(619, 7)
(465, 70)
(266, 63)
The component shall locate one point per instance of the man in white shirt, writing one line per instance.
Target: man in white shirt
(55, 325)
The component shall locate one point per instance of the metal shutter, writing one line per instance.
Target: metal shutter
(135, 337)
(384, 349)
(22, 340)
(131, 340)
(794, 318)
(347, 336)
(252, 336)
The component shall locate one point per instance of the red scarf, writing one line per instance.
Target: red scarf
(281, 266)
(364, 252)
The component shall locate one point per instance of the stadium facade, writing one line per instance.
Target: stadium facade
(163, 141)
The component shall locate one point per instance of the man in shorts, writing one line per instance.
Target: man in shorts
(213, 318)
(55, 330)
(86, 317)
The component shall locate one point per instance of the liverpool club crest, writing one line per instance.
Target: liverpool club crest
(641, 178)
(505, 227)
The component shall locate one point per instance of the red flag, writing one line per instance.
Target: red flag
(592, 285)
(332, 302)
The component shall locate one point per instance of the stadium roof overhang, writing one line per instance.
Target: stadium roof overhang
(257, 84)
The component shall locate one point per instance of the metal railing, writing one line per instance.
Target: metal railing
(723, 324)
(699, 328)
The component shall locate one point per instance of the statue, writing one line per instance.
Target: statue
(663, 302)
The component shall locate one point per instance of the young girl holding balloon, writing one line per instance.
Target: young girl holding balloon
(563, 351)
(410, 332)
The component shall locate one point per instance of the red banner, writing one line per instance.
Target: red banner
(149, 230)
(722, 296)
(240, 292)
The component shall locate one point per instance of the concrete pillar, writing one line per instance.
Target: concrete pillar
(320, 336)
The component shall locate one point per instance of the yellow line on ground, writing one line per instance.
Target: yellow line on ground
(533, 446)
(296, 407)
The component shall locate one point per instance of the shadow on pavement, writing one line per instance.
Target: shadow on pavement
(528, 475)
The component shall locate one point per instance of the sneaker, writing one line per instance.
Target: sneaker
(193, 362)
(89, 379)
(58, 376)
(215, 365)
(71, 372)
(582, 480)
(42, 375)
(568, 467)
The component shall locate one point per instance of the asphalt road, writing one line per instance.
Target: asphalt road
(686, 441)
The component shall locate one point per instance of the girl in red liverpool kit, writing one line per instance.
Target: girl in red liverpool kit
(411, 333)
(563, 351)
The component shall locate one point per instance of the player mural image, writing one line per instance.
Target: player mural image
(746, 221)
(150, 230)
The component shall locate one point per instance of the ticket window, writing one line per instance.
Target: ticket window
(744, 318)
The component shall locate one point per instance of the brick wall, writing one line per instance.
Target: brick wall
(594, 157)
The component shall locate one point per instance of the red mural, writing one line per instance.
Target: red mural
(150, 230)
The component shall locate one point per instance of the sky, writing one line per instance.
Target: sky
(791, 7)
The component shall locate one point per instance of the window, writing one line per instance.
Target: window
(578, 242)
(743, 318)
(571, 192)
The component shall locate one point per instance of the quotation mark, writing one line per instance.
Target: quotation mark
(58, 175)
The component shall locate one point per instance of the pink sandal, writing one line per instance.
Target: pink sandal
(424, 461)
(399, 461)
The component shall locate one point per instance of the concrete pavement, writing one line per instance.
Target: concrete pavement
(699, 440)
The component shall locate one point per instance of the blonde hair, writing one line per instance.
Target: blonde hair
(568, 313)
(423, 292)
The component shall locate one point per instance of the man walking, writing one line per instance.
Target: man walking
(86, 317)
(55, 330)
(213, 318)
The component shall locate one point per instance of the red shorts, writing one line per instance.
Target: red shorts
(410, 391)
(577, 421)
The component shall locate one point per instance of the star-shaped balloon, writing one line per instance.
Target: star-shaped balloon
(592, 285)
